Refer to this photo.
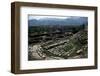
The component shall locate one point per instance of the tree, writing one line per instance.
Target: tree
(83, 26)
(74, 30)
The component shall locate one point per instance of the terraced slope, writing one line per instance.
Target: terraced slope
(64, 48)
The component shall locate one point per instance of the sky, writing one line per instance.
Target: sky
(42, 17)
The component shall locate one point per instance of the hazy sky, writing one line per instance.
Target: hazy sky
(41, 17)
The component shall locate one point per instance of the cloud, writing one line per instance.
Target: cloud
(42, 17)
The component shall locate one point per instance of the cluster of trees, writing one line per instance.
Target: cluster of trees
(49, 29)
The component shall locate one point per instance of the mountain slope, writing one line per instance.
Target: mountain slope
(55, 21)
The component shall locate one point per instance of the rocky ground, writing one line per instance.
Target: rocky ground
(73, 47)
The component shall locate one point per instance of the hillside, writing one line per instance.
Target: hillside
(69, 46)
(55, 21)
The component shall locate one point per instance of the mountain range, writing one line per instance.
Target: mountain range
(57, 21)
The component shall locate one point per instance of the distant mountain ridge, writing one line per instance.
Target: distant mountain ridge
(58, 21)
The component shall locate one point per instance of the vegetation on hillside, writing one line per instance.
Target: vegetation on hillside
(57, 42)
